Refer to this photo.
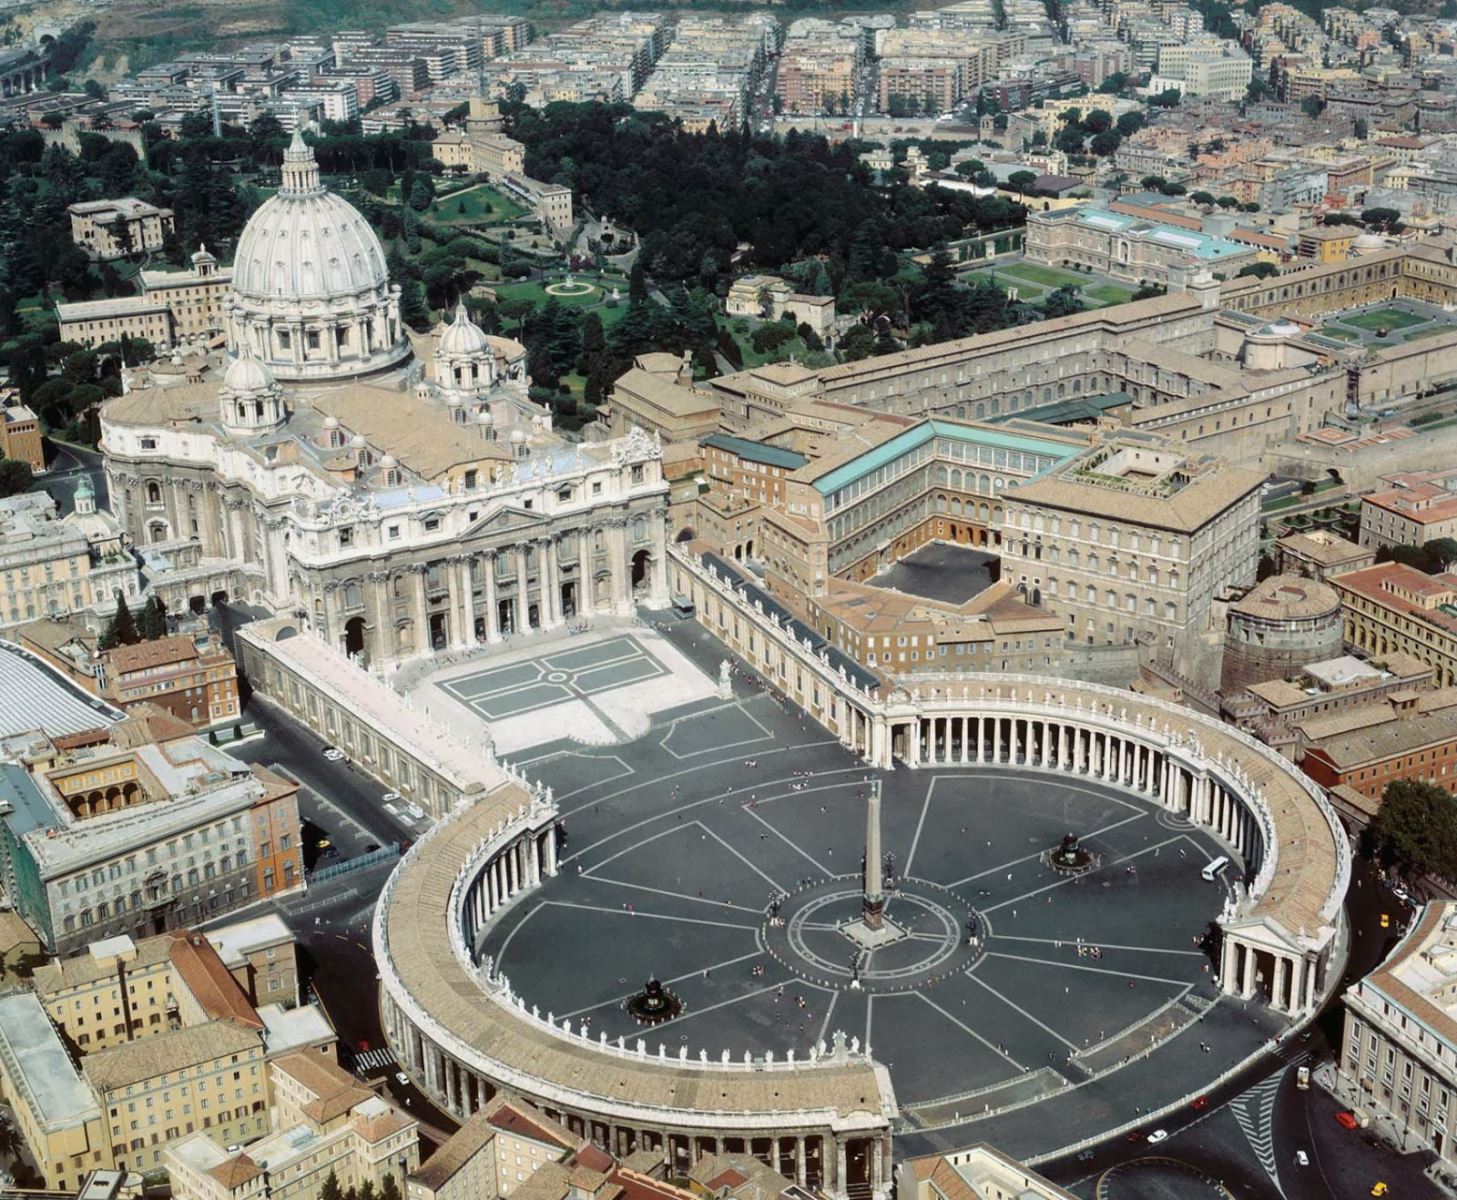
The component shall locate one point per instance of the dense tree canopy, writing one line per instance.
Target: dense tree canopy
(1415, 830)
(694, 198)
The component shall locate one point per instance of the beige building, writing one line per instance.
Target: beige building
(326, 1123)
(975, 1173)
(495, 1152)
(262, 956)
(768, 297)
(1127, 248)
(657, 395)
(1133, 539)
(1320, 554)
(1418, 507)
(56, 1113)
(173, 307)
(481, 147)
(203, 1077)
(108, 229)
(1400, 1038)
(20, 435)
(1392, 606)
(53, 566)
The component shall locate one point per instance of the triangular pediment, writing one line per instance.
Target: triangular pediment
(502, 518)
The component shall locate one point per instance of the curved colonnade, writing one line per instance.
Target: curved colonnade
(456, 1025)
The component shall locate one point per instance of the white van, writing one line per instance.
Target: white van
(1212, 870)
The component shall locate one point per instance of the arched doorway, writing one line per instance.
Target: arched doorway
(354, 636)
(639, 569)
(219, 597)
(198, 605)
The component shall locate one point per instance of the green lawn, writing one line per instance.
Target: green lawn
(1108, 293)
(752, 358)
(1335, 331)
(480, 205)
(1025, 290)
(1384, 318)
(1434, 331)
(536, 292)
(1048, 277)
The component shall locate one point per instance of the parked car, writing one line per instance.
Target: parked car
(402, 1078)
(1302, 1159)
(1346, 1120)
(1157, 1136)
(334, 754)
(391, 797)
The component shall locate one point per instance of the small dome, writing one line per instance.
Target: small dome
(484, 417)
(388, 463)
(454, 400)
(518, 436)
(247, 374)
(331, 422)
(1369, 241)
(84, 487)
(462, 336)
(357, 442)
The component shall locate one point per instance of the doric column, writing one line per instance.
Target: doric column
(1247, 983)
(841, 1170)
(799, 1161)
(450, 570)
(551, 866)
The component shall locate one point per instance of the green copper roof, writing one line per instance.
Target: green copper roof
(902, 443)
(774, 456)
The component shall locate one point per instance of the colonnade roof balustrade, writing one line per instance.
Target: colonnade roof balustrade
(1310, 859)
(454, 1006)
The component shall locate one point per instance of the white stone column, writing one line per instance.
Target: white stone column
(551, 864)
(493, 607)
(1247, 982)
(523, 602)
(468, 599)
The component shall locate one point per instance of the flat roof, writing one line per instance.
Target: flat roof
(774, 456)
(903, 443)
(41, 1067)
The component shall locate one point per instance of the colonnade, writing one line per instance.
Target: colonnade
(833, 1163)
(515, 867)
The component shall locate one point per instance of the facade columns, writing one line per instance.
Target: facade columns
(467, 595)
(523, 602)
(493, 607)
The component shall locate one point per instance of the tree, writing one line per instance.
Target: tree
(389, 1189)
(1062, 302)
(1386, 220)
(1105, 143)
(1259, 270)
(1257, 90)
(1266, 567)
(1360, 129)
(1311, 106)
(1130, 123)
(1021, 181)
(1415, 829)
(1153, 183)
(1205, 198)
(152, 624)
(121, 630)
(15, 477)
(331, 1189)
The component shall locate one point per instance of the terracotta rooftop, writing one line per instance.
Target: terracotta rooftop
(163, 652)
(211, 983)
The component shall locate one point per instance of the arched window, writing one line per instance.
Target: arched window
(154, 492)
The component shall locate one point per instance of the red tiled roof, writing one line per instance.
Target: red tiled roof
(210, 981)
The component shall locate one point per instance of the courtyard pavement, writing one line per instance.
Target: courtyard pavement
(720, 852)
(941, 571)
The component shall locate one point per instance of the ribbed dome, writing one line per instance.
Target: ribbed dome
(305, 242)
(311, 293)
(462, 336)
(246, 374)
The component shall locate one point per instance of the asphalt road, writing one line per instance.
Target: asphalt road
(1247, 1136)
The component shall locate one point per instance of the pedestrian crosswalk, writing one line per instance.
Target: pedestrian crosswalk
(1254, 1111)
(369, 1062)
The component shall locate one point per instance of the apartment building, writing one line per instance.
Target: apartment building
(325, 1123)
(108, 229)
(172, 306)
(190, 675)
(1418, 507)
(141, 828)
(261, 954)
(20, 436)
(498, 1151)
(1395, 607)
(1399, 1042)
(56, 1113)
(1404, 736)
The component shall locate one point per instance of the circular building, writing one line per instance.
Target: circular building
(311, 293)
(1277, 628)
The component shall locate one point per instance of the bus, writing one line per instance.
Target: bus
(1213, 869)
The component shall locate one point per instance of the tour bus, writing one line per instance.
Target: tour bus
(1212, 870)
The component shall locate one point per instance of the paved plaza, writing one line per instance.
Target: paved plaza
(722, 853)
(598, 687)
(941, 571)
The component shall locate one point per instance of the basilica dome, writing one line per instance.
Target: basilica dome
(311, 292)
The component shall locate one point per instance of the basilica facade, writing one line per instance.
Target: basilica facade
(398, 496)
